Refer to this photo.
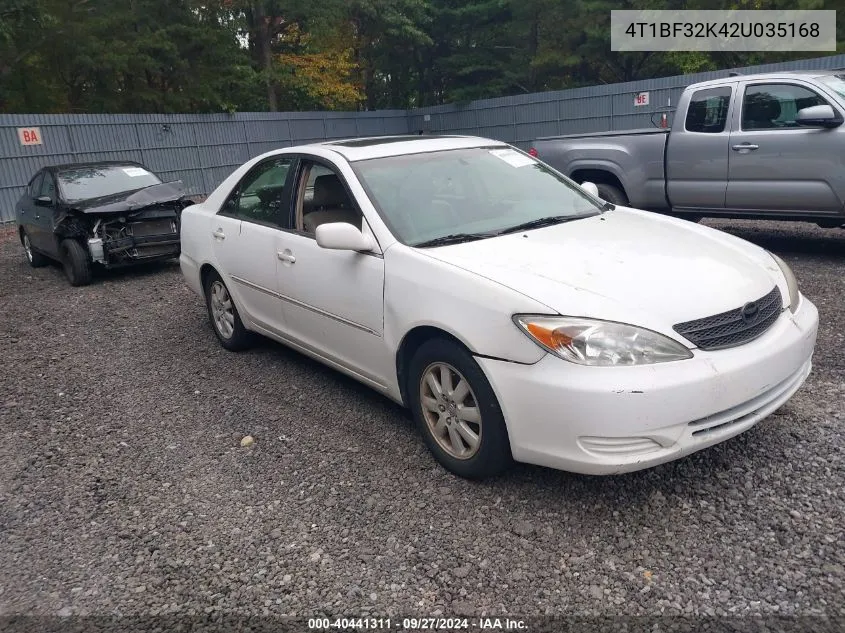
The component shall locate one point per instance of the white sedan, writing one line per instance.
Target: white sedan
(517, 315)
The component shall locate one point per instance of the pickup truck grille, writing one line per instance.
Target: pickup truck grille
(734, 327)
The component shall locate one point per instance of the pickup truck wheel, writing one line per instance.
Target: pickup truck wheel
(75, 262)
(35, 259)
(612, 194)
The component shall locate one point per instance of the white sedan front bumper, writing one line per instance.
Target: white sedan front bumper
(606, 420)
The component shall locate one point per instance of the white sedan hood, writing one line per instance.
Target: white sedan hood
(625, 265)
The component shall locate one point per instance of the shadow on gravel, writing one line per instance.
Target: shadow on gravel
(791, 240)
(100, 274)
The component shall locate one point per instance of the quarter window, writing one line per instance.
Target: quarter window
(774, 106)
(708, 110)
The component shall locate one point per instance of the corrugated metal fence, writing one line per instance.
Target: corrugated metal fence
(202, 150)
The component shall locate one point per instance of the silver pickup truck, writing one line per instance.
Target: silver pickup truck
(757, 146)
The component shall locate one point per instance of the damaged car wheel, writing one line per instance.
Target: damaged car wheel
(224, 315)
(75, 262)
(35, 259)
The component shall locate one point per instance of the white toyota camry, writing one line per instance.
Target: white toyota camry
(517, 315)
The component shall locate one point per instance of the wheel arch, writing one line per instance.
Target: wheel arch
(206, 270)
(411, 342)
(598, 176)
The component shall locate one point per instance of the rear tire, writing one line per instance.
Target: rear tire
(457, 412)
(35, 259)
(75, 262)
(612, 194)
(224, 317)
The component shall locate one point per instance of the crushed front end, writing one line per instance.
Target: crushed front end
(145, 235)
(131, 228)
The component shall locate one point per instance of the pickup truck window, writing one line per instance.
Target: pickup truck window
(774, 106)
(708, 110)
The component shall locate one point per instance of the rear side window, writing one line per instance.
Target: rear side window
(774, 106)
(708, 110)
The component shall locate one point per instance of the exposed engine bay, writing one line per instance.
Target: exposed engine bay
(142, 226)
(143, 235)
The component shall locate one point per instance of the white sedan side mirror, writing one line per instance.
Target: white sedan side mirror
(342, 236)
(590, 188)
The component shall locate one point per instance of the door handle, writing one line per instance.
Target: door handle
(742, 146)
(219, 234)
(286, 257)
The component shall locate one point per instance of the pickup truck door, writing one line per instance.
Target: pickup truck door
(697, 151)
(777, 166)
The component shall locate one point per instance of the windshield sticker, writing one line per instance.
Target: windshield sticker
(135, 171)
(512, 157)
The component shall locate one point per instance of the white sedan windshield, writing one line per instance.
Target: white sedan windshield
(481, 190)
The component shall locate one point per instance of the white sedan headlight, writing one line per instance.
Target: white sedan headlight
(791, 282)
(600, 343)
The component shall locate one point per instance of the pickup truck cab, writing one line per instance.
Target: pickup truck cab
(757, 146)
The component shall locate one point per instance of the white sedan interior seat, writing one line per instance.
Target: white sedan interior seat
(330, 204)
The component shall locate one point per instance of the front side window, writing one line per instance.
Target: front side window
(774, 106)
(261, 196)
(322, 198)
(96, 181)
(480, 191)
(48, 187)
(35, 185)
(708, 110)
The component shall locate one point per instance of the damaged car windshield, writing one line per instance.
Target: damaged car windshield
(95, 181)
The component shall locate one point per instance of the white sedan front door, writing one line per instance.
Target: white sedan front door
(333, 300)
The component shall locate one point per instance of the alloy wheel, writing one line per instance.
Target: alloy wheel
(27, 247)
(451, 410)
(222, 310)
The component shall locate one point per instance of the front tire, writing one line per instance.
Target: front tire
(35, 259)
(612, 194)
(75, 262)
(457, 412)
(224, 316)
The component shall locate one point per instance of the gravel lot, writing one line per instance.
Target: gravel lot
(124, 488)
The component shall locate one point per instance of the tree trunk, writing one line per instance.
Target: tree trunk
(263, 36)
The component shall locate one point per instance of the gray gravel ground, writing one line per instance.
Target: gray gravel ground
(124, 488)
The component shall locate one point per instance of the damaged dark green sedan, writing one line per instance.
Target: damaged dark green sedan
(108, 214)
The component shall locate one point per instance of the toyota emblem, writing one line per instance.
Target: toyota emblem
(749, 311)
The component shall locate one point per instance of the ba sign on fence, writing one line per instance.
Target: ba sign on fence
(641, 99)
(29, 135)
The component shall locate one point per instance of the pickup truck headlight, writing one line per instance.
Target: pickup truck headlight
(600, 343)
(791, 282)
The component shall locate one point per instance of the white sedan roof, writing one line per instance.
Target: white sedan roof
(382, 146)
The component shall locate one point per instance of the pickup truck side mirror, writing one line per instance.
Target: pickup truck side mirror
(818, 116)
